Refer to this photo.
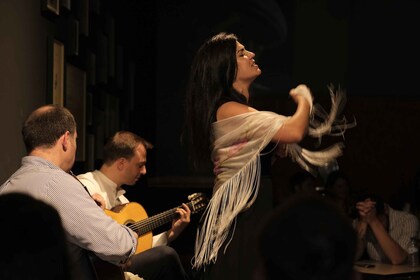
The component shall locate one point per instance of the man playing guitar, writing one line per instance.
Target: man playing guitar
(123, 164)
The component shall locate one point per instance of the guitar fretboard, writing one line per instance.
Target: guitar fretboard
(153, 222)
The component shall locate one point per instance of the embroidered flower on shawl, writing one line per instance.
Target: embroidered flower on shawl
(236, 147)
(217, 169)
(231, 151)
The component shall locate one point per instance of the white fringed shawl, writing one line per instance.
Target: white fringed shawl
(238, 142)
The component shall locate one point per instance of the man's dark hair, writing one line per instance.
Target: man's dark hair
(123, 145)
(46, 125)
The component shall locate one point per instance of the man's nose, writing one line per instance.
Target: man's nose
(143, 170)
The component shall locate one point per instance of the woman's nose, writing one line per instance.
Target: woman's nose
(251, 54)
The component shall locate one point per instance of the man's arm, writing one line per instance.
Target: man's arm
(360, 227)
(87, 225)
(395, 253)
(367, 213)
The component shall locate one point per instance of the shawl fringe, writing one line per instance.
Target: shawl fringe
(239, 192)
(230, 200)
(321, 124)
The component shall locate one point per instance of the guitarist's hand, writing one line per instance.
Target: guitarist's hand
(99, 200)
(178, 225)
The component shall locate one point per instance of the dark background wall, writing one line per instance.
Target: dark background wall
(369, 48)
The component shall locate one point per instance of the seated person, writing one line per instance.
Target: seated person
(33, 242)
(337, 189)
(383, 232)
(123, 164)
(302, 181)
(49, 135)
(306, 237)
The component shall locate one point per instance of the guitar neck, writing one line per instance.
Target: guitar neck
(153, 222)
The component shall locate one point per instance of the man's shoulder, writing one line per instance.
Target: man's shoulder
(403, 216)
(90, 180)
(86, 176)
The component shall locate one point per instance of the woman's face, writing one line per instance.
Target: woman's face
(248, 70)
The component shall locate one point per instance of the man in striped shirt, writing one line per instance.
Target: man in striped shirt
(384, 233)
(49, 134)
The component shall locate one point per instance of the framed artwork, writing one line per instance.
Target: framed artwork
(76, 103)
(51, 6)
(72, 41)
(55, 68)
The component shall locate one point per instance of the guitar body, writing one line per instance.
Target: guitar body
(129, 214)
(134, 216)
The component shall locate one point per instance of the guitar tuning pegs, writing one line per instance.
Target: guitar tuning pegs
(198, 201)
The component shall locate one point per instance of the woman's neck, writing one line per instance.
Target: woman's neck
(242, 89)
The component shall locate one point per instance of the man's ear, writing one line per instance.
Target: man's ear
(120, 163)
(64, 139)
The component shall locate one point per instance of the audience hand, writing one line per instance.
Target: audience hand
(367, 210)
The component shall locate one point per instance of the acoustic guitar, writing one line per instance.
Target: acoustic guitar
(134, 216)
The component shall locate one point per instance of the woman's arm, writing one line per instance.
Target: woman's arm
(295, 128)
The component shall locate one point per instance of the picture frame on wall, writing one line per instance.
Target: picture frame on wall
(55, 69)
(76, 103)
(51, 6)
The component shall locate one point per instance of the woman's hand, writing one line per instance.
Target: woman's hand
(300, 92)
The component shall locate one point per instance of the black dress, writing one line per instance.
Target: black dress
(240, 260)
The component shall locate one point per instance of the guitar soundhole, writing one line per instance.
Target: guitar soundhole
(129, 223)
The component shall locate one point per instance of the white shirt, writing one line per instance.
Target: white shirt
(97, 182)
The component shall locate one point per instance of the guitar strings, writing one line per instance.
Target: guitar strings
(143, 226)
(148, 224)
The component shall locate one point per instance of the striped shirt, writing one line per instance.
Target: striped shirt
(402, 226)
(86, 225)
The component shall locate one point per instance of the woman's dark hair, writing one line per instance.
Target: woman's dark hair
(210, 84)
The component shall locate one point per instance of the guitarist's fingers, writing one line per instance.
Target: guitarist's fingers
(187, 209)
(99, 200)
(185, 213)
